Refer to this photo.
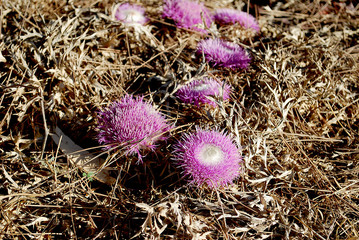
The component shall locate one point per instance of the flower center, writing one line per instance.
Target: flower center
(201, 87)
(210, 155)
(133, 16)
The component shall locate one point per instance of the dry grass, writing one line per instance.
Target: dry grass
(294, 112)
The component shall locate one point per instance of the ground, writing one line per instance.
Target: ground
(293, 112)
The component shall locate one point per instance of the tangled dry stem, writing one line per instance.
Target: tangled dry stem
(294, 112)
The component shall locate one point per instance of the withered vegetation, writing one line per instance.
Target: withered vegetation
(294, 112)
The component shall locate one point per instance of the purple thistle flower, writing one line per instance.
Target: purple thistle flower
(208, 157)
(198, 91)
(223, 53)
(227, 15)
(133, 122)
(130, 14)
(188, 14)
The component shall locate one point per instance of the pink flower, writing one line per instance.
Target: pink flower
(198, 91)
(223, 53)
(132, 122)
(208, 157)
(188, 14)
(227, 15)
(130, 14)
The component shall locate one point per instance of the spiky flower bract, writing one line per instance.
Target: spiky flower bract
(129, 14)
(198, 91)
(132, 122)
(188, 14)
(208, 156)
(227, 15)
(223, 53)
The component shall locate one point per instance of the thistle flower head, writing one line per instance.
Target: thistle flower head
(223, 53)
(133, 122)
(188, 14)
(198, 91)
(227, 16)
(208, 156)
(129, 14)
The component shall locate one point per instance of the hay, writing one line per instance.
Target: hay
(294, 112)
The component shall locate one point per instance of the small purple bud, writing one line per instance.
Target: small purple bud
(130, 14)
(227, 15)
(224, 54)
(188, 14)
(198, 91)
